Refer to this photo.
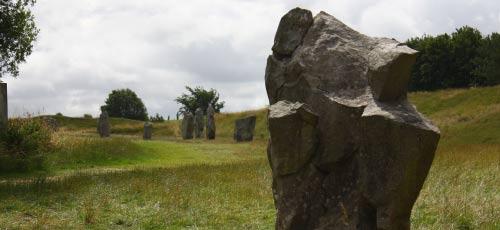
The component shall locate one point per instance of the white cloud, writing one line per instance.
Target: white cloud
(86, 48)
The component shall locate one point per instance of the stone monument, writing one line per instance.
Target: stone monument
(148, 131)
(4, 113)
(210, 122)
(187, 126)
(104, 127)
(198, 123)
(243, 128)
(347, 149)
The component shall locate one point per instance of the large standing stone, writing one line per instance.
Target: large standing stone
(243, 128)
(187, 126)
(148, 131)
(210, 123)
(198, 123)
(104, 128)
(4, 113)
(347, 150)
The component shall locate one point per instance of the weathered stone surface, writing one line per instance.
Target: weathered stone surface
(198, 123)
(347, 150)
(210, 123)
(187, 126)
(244, 127)
(104, 128)
(148, 131)
(291, 31)
(51, 123)
(4, 113)
(294, 130)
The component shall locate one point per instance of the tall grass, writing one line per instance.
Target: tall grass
(199, 184)
(80, 152)
(24, 145)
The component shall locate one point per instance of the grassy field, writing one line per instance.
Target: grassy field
(126, 183)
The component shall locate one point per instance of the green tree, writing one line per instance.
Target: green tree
(199, 98)
(156, 118)
(464, 59)
(125, 103)
(466, 43)
(434, 62)
(487, 63)
(17, 34)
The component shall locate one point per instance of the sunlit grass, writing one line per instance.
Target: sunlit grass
(126, 183)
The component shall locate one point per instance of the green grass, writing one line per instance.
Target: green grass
(209, 186)
(126, 183)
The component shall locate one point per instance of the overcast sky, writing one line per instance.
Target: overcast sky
(86, 48)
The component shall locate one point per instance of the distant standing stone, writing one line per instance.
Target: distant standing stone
(3, 106)
(210, 123)
(187, 127)
(104, 127)
(51, 123)
(243, 128)
(148, 131)
(198, 123)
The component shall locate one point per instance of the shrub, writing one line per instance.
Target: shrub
(157, 118)
(23, 146)
(87, 116)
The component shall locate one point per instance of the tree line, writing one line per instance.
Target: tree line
(125, 103)
(463, 59)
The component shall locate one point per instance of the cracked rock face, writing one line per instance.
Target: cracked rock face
(347, 150)
(187, 126)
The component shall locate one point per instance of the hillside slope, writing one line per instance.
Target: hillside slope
(465, 116)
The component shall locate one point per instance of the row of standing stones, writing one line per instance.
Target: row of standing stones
(347, 149)
(243, 129)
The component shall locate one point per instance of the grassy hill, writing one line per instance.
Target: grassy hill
(126, 183)
(455, 112)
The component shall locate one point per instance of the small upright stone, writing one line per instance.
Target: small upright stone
(3, 106)
(104, 127)
(148, 131)
(51, 123)
(187, 127)
(210, 123)
(243, 128)
(198, 123)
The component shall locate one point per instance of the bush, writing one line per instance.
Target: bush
(157, 118)
(87, 116)
(23, 146)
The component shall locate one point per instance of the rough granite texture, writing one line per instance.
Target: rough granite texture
(187, 126)
(103, 127)
(347, 150)
(210, 123)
